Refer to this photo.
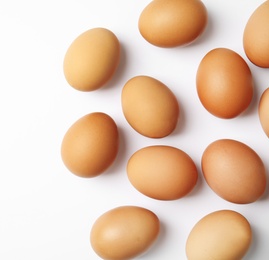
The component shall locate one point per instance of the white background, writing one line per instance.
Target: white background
(46, 212)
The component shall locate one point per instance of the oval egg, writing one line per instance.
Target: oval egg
(149, 106)
(234, 171)
(256, 36)
(124, 232)
(224, 83)
(92, 59)
(172, 23)
(223, 234)
(264, 111)
(90, 145)
(162, 172)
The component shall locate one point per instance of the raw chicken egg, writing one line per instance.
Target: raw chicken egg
(220, 235)
(124, 232)
(256, 36)
(162, 172)
(149, 106)
(90, 145)
(224, 83)
(264, 111)
(170, 23)
(92, 59)
(234, 171)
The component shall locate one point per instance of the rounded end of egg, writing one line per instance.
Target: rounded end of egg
(172, 23)
(124, 232)
(90, 145)
(264, 111)
(86, 67)
(256, 36)
(223, 234)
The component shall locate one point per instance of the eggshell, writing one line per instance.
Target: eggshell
(234, 171)
(224, 83)
(264, 111)
(256, 36)
(149, 106)
(90, 145)
(162, 172)
(92, 59)
(124, 232)
(172, 23)
(220, 235)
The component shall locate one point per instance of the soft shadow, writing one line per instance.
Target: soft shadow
(252, 108)
(120, 160)
(265, 195)
(159, 242)
(252, 252)
(181, 123)
(199, 185)
(118, 74)
(206, 34)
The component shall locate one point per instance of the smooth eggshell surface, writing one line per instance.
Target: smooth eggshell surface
(90, 145)
(149, 106)
(220, 235)
(162, 172)
(264, 111)
(124, 232)
(256, 36)
(224, 83)
(92, 59)
(234, 171)
(172, 23)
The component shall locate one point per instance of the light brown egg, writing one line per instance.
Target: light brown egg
(149, 106)
(124, 232)
(264, 111)
(256, 36)
(220, 235)
(224, 83)
(90, 145)
(172, 23)
(92, 59)
(234, 171)
(162, 172)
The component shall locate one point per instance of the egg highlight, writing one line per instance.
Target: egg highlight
(171, 23)
(90, 145)
(124, 232)
(92, 59)
(149, 106)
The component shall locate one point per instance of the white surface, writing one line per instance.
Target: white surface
(47, 212)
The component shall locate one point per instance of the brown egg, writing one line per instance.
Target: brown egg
(224, 83)
(90, 145)
(149, 106)
(264, 111)
(162, 172)
(172, 23)
(124, 232)
(234, 171)
(92, 59)
(220, 235)
(256, 36)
